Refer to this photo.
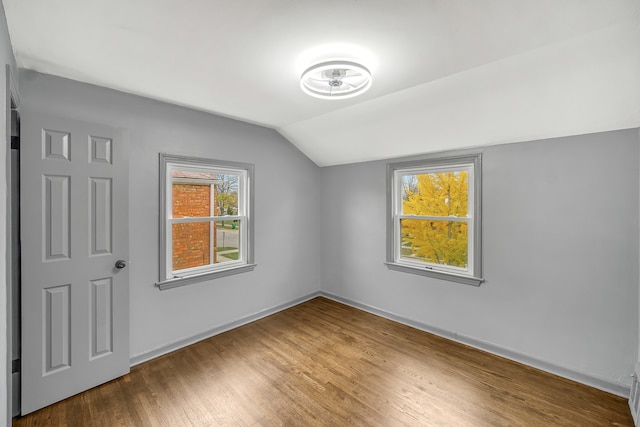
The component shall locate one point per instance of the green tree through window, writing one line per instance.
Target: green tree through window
(436, 195)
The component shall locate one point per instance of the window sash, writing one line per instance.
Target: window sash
(398, 258)
(206, 218)
(212, 265)
(243, 186)
(466, 219)
(463, 167)
(399, 214)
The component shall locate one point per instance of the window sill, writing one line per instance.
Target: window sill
(196, 278)
(467, 280)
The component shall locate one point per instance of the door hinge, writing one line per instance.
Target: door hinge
(15, 143)
(15, 366)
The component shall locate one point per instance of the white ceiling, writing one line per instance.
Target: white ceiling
(446, 73)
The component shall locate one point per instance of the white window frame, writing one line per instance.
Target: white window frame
(245, 262)
(472, 164)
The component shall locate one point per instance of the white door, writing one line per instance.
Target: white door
(74, 231)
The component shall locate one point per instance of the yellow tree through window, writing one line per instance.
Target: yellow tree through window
(441, 239)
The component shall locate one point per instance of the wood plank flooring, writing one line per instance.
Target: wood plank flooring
(322, 363)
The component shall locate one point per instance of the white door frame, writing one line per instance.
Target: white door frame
(11, 97)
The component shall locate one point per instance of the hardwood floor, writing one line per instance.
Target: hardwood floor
(322, 363)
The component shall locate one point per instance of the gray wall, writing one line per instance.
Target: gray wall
(6, 57)
(560, 256)
(286, 207)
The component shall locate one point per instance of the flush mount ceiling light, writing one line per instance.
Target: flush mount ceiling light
(335, 80)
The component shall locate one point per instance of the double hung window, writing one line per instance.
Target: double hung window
(434, 218)
(205, 222)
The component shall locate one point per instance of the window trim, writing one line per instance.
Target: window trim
(199, 274)
(474, 275)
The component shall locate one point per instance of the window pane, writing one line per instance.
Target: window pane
(191, 194)
(191, 245)
(436, 194)
(226, 197)
(437, 242)
(227, 241)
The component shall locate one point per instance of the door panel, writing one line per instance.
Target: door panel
(57, 217)
(100, 214)
(101, 317)
(57, 328)
(75, 302)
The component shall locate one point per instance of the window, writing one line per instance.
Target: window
(433, 228)
(206, 224)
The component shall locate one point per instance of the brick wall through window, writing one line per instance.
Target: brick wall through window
(192, 241)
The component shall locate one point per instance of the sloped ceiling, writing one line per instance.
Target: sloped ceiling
(446, 73)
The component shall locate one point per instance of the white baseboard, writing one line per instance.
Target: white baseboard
(176, 345)
(634, 398)
(581, 377)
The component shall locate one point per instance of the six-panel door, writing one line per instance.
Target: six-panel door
(74, 228)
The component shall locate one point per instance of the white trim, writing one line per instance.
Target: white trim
(11, 93)
(202, 269)
(417, 263)
(194, 181)
(634, 396)
(422, 170)
(437, 274)
(206, 219)
(212, 225)
(450, 218)
(207, 275)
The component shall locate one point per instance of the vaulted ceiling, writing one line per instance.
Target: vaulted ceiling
(446, 73)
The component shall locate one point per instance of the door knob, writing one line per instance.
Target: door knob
(121, 263)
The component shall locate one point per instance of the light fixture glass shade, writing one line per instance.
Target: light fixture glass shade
(335, 80)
